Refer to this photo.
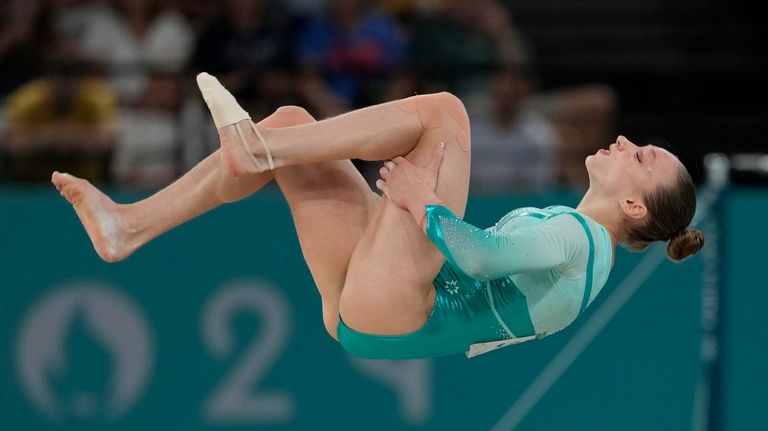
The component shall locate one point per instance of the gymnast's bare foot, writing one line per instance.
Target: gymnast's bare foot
(243, 149)
(105, 221)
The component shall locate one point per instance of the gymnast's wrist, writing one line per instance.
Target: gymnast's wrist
(419, 208)
(420, 199)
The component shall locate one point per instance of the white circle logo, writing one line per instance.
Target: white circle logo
(67, 335)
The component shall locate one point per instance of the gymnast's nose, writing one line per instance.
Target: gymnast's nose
(623, 142)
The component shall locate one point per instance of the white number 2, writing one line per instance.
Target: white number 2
(234, 400)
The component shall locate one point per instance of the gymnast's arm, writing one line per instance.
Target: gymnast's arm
(481, 254)
(487, 254)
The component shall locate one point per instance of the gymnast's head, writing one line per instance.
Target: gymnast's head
(650, 194)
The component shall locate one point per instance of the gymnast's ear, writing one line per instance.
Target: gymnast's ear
(634, 208)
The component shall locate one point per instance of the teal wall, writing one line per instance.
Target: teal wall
(745, 304)
(217, 325)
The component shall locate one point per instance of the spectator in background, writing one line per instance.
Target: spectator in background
(66, 118)
(525, 140)
(134, 38)
(456, 45)
(144, 47)
(198, 13)
(71, 18)
(28, 28)
(349, 57)
(25, 32)
(514, 148)
(249, 48)
(585, 117)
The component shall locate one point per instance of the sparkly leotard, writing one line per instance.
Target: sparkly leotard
(530, 275)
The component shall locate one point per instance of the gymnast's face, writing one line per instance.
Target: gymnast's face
(628, 172)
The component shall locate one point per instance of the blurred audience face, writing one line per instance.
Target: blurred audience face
(65, 72)
(509, 89)
(64, 83)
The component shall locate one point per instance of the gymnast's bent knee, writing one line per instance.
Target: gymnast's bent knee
(432, 109)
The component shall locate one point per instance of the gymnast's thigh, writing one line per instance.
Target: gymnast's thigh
(389, 289)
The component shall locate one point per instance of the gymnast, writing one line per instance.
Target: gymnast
(399, 273)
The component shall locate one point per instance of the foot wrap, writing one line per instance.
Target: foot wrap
(227, 112)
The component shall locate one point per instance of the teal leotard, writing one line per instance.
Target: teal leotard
(531, 274)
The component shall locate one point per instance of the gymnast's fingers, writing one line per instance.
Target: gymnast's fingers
(384, 173)
(382, 185)
(389, 164)
(437, 158)
(400, 160)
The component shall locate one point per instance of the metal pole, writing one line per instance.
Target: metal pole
(709, 397)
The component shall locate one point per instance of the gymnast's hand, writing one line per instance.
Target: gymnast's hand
(411, 187)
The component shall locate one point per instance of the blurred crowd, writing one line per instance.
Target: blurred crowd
(105, 89)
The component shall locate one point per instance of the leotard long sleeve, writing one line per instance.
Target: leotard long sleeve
(487, 254)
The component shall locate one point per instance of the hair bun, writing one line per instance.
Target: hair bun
(685, 244)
